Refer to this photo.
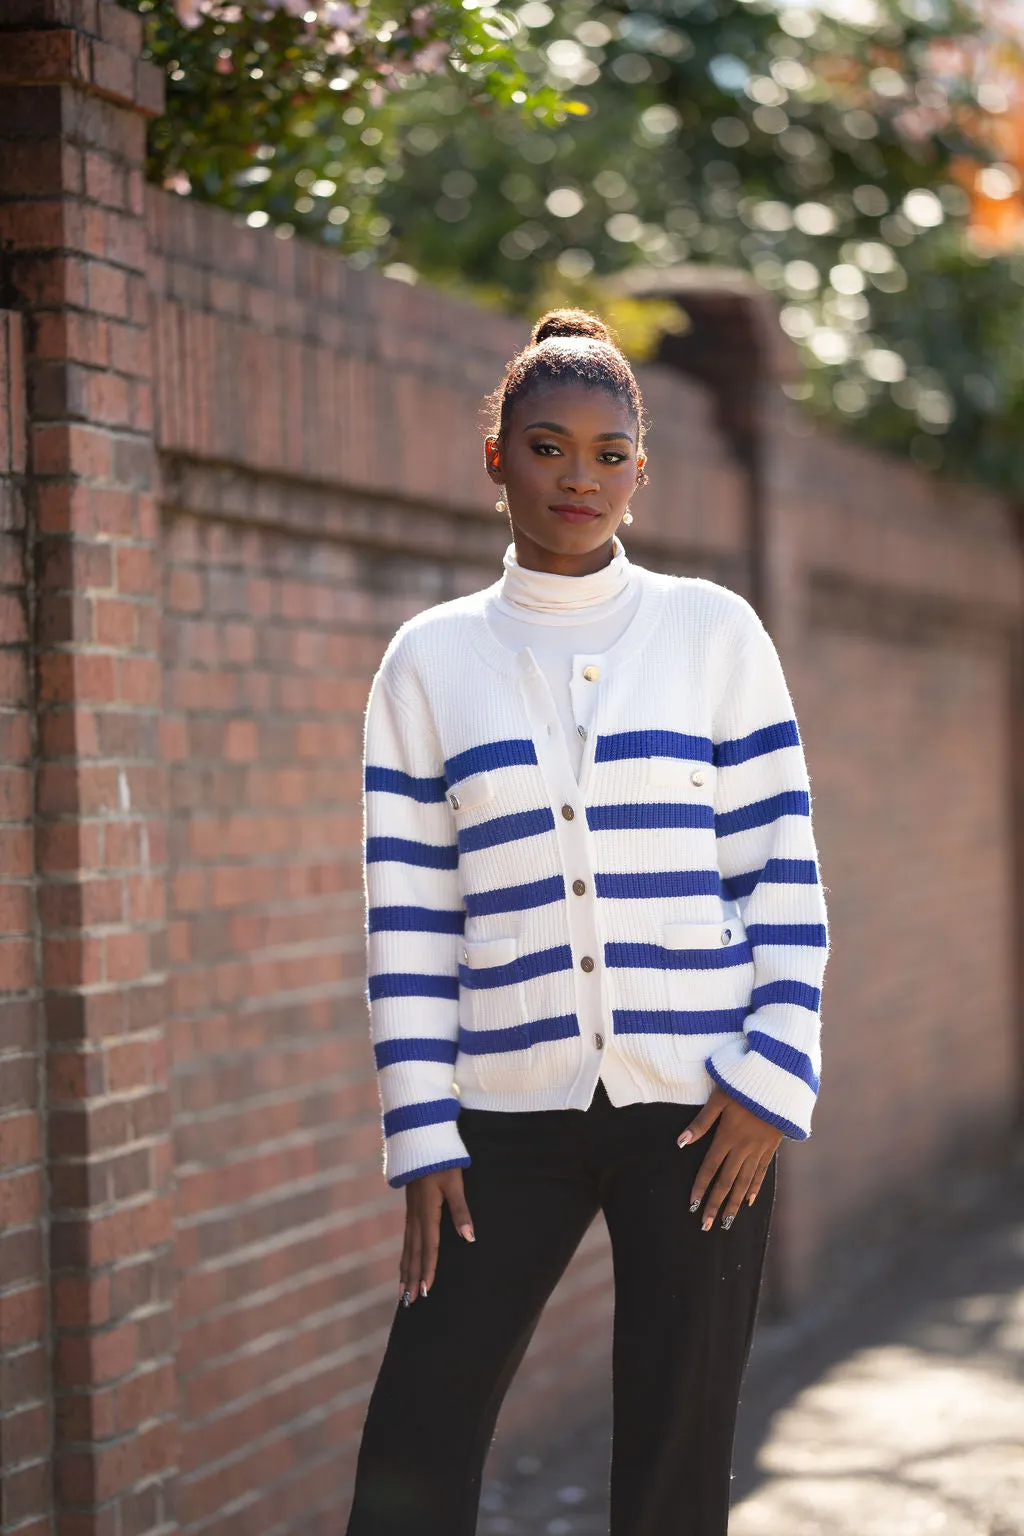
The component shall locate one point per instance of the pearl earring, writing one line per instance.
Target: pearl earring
(627, 518)
(501, 505)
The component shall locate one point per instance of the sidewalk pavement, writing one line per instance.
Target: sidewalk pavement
(899, 1411)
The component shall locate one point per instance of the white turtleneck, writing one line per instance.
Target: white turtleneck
(562, 620)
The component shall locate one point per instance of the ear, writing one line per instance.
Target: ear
(641, 463)
(492, 460)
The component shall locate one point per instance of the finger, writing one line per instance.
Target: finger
(703, 1121)
(456, 1198)
(737, 1194)
(758, 1180)
(714, 1157)
(431, 1243)
(416, 1247)
(406, 1258)
(720, 1189)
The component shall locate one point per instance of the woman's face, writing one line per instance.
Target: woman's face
(569, 464)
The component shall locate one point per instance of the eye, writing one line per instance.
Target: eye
(545, 450)
(613, 456)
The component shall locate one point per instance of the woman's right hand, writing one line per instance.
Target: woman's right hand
(423, 1201)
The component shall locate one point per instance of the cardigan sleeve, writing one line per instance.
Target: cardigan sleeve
(769, 865)
(414, 922)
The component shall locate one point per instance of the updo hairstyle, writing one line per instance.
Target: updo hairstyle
(567, 346)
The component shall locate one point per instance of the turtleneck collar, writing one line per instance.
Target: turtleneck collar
(546, 598)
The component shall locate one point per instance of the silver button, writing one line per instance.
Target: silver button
(726, 935)
(454, 802)
(586, 964)
(697, 777)
(599, 1042)
(591, 674)
(581, 732)
(465, 954)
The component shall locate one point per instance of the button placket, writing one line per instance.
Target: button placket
(573, 837)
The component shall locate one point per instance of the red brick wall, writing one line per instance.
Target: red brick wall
(193, 599)
(904, 666)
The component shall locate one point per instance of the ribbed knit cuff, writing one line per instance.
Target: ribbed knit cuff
(426, 1149)
(766, 1090)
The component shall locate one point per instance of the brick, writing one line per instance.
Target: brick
(72, 449)
(19, 1140)
(135, 570)
(17, 964)
(22, 1316)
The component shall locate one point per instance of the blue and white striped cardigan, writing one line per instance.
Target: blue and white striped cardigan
(671, 897)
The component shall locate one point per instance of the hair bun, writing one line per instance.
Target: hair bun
(570, 322)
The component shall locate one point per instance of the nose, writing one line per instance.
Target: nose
(578, 478)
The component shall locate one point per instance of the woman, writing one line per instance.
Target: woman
(596, 943)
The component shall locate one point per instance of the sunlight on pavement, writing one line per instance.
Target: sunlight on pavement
(906, 1438)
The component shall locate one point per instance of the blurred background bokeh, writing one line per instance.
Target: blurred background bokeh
(259, 263)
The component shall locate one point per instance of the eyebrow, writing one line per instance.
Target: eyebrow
(553, 426)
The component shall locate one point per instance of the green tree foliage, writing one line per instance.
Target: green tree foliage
(825, 146)
(285, 110)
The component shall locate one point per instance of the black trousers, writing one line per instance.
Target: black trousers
(684, 1314)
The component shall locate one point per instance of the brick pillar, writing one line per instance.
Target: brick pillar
(74, 98)
(24, 1303)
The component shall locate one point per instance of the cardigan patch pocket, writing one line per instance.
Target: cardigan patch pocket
(708, 976)
(492, 1010)
(471, 793)
(685, 776)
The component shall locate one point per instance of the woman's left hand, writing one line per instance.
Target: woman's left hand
(736, 1161)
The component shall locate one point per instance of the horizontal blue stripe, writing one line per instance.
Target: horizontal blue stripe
(775, 872)
(807, 935)
(660, 813)
(411, 984)
(631, 744)
(770, 738)
(414, 1048)
(787, 1127)
(491, 754)
(402, 850)
(413, 1117)
(790, 993)
(665, 882)
(506, 829)
(516, 898)
(785, 1056)
(392, 781)
(414, 920)
(735, 887)
(421, 1173)
(676, 1021)
(495, 1042)
(656, 957)
(542, 962)
(759, 813)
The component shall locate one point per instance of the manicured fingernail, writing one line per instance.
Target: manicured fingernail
(406, 1298)
(423, 1287)
(707, 1224)
(727, 1222)
(468, 1233)
(685, 1139)
(694, 1207)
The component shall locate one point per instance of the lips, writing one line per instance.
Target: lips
(572, 512)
